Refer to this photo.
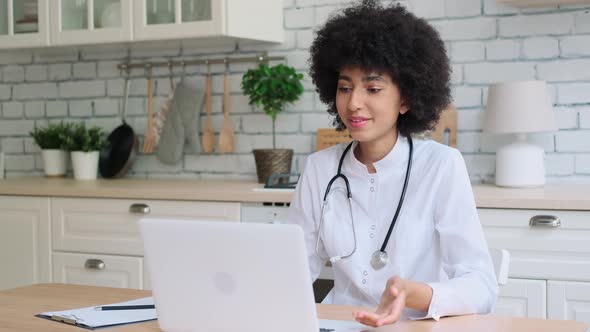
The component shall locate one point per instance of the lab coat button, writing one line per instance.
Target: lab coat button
(372, 180)
(365, 273)
(364, 281)
(371, 235)
(373, 227)
(372, 189)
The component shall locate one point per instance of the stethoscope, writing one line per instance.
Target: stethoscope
(380, 258)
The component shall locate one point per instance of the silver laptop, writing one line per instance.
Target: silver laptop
(223, 276)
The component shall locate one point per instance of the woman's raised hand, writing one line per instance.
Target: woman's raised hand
(389, 311)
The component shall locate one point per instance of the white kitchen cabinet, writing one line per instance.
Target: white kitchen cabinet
(38, 23)
(98, 270)
(522, 298)
(79, 22)
(559, 251)
(24, 23)
(218, 20)
(25, 252)
(550, 254)
(569, 300)
(97, 242)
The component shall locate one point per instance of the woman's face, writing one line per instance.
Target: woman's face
(369, 103)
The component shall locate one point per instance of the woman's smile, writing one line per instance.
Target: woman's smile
(358, 121)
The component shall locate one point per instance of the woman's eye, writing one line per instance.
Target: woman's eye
(373, 90)
(344, 89)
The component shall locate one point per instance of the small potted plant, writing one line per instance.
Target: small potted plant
(53, 151)
(85, 145)
(272, 88)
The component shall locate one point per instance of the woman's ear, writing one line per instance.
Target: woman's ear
(403, 109)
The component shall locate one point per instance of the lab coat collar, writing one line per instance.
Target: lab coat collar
(396, 157)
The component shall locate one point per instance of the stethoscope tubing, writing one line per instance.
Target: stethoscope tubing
(340, 175)
(401, 198)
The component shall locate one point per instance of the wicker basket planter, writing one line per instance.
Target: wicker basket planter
(270, 161)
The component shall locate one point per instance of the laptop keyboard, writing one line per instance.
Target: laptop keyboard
(326, 330)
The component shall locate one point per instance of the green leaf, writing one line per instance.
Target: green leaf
(51, 136)
(272, 87)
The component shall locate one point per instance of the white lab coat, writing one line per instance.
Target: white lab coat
(437, 239)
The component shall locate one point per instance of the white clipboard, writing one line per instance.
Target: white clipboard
(91, 318)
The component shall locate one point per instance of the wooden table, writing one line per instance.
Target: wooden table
(17, 307)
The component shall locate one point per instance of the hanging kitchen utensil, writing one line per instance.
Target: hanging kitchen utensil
(117, 157)
(181, 124)
(226, 135)
(161, 116)
(208, 136)
(148, 144)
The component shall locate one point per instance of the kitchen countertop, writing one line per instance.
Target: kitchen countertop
(554, 196)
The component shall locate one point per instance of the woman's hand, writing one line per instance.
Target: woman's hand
(393, 301)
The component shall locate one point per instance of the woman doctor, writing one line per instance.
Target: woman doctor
(398, 221)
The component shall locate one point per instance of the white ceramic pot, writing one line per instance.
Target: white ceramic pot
(85, 165)
(55, 162)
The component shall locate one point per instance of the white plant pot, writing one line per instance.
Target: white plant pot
(55, 162)
(85, 165)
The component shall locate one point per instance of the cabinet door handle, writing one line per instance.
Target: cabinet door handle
(544, 221)
(94, 264)
(139, 208)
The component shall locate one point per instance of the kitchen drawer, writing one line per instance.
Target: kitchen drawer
(109, 226)
(85, 269)
(541, 252)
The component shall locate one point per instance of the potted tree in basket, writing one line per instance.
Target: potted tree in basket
(53, 151)
(272, 88)
(85, 145)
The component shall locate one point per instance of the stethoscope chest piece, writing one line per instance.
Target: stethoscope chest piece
(379, 259)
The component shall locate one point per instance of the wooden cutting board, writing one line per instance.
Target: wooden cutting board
(447, 123)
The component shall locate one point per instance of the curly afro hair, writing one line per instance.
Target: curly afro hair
(389, 40)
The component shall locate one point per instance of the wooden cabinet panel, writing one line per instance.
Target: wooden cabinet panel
(25, 252)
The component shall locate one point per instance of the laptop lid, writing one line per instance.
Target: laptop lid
(224, 276)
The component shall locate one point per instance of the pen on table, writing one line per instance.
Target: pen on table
(125, 307)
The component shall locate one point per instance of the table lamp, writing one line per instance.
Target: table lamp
(519, 108)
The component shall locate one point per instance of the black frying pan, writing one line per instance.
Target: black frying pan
(119, 154)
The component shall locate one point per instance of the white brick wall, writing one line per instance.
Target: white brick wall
(502, 49)
(540, 48)
(487, 42)
(566, 70)
(34, 109)
(534, 25)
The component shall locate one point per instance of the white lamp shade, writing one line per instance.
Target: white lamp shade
(519, 107)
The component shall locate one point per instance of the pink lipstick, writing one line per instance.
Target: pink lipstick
(357, 121)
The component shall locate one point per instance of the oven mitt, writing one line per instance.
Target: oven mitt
(169, 149)
(181, 125)
(191, 105)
